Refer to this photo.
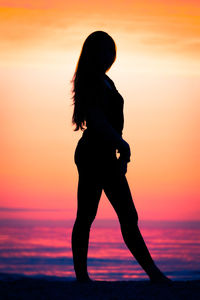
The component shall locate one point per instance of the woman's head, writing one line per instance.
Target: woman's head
(98, 53)
(97, 56)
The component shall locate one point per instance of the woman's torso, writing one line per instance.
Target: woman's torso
(92, 144)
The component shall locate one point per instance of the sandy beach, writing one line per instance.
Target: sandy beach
(27, 287)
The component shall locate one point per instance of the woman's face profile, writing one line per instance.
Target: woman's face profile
(108, 55)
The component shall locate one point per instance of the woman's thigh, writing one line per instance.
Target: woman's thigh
(89, 194)
(97, 172)
(117, 190)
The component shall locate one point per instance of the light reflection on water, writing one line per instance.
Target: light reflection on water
(44, 248)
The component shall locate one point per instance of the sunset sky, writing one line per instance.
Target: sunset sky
(157, 71)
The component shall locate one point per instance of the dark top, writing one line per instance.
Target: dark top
(110, 102)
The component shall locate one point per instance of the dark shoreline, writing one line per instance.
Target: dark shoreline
(16, 286)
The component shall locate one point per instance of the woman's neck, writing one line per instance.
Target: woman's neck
(107, 83)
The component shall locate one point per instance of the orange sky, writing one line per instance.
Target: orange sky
(157, 72)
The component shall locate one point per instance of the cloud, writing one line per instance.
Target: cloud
(62, 25)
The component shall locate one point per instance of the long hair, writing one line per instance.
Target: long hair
(97, 55)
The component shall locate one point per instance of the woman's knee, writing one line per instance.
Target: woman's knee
(84, 221)
(129, 220)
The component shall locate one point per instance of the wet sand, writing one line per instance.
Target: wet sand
(30, 288)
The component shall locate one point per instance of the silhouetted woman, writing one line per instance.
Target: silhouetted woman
(98, 112)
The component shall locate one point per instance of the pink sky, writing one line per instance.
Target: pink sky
(157, 73)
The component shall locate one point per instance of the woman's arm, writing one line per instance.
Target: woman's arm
(97, 120)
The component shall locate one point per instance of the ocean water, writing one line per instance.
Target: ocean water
(38, 247)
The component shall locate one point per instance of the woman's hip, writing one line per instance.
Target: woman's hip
(90, 156)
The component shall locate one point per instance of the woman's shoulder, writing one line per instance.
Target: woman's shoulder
(91, 85)
(98, 83)
(93, 91)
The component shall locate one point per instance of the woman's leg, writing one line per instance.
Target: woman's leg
(89, 193)
(117, 190)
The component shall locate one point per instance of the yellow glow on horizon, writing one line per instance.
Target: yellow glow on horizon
(157, 72)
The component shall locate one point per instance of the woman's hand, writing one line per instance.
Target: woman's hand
(124, 150)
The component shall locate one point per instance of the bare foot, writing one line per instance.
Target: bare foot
(161, 279)
(84, 280)
(156, 276)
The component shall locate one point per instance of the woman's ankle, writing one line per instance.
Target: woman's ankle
(153, 271)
